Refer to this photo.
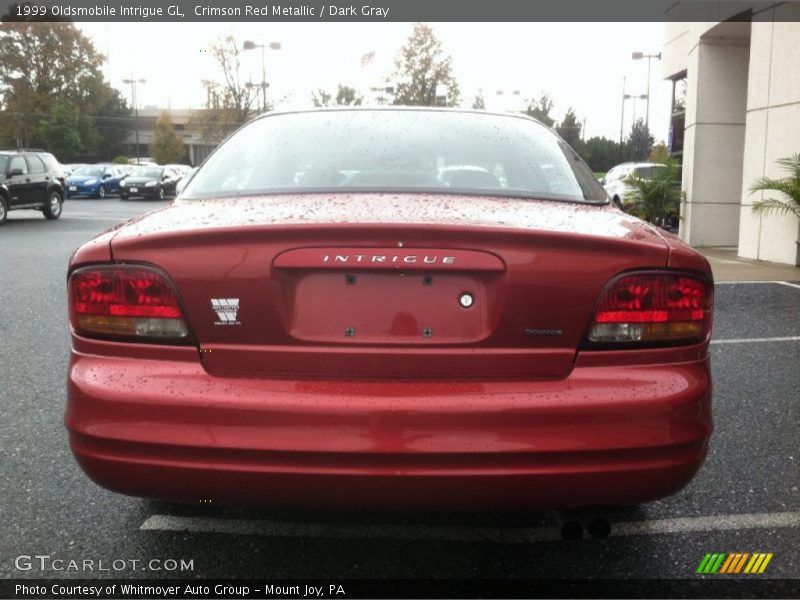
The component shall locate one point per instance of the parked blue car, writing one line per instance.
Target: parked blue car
(95, 181)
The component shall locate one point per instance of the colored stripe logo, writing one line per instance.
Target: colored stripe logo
(734, 563)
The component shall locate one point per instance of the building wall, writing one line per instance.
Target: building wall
(742, 113)
(772, 132)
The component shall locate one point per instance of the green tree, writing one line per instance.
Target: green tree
(345, 96)
(789, 187)
(658, 153)
(540, 109)
(167, 146)
(112, 123)
(422, 65)
(41, 62)
(639, 141)
(61, 129)
(348, 96)
(321, 98)
(601, 154)
(570, 130)
(230, 102)
(478, 103)
(656, 198)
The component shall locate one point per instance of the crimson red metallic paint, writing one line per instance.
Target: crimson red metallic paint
(351, 373)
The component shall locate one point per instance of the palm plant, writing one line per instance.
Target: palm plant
(656, 198)
(789, 186)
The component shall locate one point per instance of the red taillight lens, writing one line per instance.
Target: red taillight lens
(125, 301)
(653, 308)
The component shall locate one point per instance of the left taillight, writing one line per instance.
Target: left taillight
(652, 308)
(125, 301)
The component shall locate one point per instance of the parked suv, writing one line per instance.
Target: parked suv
(30, 179)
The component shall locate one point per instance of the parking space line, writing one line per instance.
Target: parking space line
(460, 533)
(790, 338)
(755, 282)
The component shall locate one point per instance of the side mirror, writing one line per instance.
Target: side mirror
(106, 175)
(14, 172)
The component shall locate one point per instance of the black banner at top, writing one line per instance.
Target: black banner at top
(393, 10)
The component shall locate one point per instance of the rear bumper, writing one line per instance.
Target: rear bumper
(142, 193)
(602, 436)
(82, 190)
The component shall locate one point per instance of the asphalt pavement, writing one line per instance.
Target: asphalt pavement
(745, 499)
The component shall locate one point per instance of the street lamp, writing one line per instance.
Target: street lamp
(132, 82)
(640, 56)
(512, 93)
(250, 45)
(622, 117)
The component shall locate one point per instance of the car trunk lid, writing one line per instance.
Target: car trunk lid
(373, 285)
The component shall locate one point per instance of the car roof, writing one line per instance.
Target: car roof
(393, 108)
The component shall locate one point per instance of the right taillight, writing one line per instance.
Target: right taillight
(125, 301)
(653, 308)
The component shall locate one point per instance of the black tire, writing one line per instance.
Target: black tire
(161, 194)
(101, 192)
(3, 210)
(123, 196)
(52, 207)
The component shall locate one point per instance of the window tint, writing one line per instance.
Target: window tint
(50, 162)
(148, 172)
(392, 150)
(17, 162)
(89, 171)
(35, 163)
(647, 172)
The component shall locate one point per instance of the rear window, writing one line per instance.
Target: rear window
(395, 151)
(147, 172)
(50, 162)
(90, 171)
(35, 163)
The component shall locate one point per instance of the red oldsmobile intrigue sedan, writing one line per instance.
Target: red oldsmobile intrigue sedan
(391, 308)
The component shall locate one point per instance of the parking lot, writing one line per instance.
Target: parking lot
(746, 498)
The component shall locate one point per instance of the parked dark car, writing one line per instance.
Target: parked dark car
(94, 180)
(150, 182)
(30, 179)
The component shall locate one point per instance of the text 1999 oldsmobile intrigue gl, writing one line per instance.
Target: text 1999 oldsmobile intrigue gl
(391, 308)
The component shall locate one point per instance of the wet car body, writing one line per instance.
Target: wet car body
(364, 348)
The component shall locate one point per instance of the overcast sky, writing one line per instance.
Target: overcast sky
(579, 64)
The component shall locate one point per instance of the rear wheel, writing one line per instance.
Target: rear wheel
(52, 208)
(3, 210)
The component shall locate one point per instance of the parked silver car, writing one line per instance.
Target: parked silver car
(614, 180)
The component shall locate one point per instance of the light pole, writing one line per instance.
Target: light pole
(622, 117)
(513, 93)
(639, 56)
(250, 45)
(635, 98)
(132, 82)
